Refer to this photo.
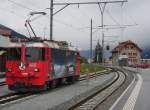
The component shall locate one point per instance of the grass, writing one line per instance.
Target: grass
(89, 68)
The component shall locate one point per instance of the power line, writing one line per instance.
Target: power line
(66, 24)
(69, 25)
(85, 14)
(18, 15)
(56, 20)
(33, 5)
(20, 5)
(85, 3)
(113, 19)
(68, 12)
(76, 18)
(12, 12)
(23, 6)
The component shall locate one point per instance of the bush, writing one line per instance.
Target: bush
(84, 60)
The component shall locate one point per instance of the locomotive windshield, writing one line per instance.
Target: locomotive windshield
(34, 54)
(14, 54)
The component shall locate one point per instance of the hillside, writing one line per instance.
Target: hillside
(146, 53)
(86, 53)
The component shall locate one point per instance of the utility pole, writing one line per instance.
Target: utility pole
(102, 9)
(51, 19)
(66, 4)
(91, 42)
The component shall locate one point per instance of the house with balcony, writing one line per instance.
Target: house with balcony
(126, 53)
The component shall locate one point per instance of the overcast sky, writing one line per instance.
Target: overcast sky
(72, 24)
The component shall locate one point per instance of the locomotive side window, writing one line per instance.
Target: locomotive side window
(35, 54)
(58, 56)
(70, 61)
(14, 54)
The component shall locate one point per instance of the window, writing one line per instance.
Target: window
(127, 48)
(135, 54)
(58, 56)
(129, 54)
(129, 60)
(14, 54)
(35, 54)
(132, 47)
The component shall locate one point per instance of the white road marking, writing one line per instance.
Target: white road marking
(129, 105)
(116, 102)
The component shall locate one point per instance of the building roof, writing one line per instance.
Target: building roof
(7, 32)
(123, 45)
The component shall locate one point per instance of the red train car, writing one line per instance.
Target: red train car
(34, 66)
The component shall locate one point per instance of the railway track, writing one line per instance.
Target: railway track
(92, 75)
(81, 78)
(15, 97)
(93, 101)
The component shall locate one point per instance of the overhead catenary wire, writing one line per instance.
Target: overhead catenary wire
(15, 13)
(77, 19)
(84, 13)
(20, 5)
(112, 18)
(28, 8)
(56, 20)
(69, 25)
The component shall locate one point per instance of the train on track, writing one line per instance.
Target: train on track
(36, 65)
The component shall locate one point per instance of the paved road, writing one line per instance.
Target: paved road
(143, 101)
(137, 96)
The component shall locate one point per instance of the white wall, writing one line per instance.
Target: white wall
(4, 41)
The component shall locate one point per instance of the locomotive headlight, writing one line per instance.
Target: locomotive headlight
(36, 70)
(9, 70)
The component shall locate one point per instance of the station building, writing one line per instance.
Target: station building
(126, 53)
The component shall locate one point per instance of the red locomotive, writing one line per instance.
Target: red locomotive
(34, 66)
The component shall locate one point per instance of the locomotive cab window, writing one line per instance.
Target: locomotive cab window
(35, 54)
(14, 54)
